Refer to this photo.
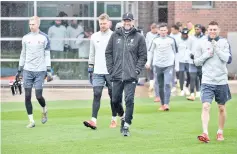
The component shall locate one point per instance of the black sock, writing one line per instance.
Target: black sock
(177, 75)
(39, 97)
(28, 103)
(188, 80)
(181, 79)
(96, 101)
(193, 79)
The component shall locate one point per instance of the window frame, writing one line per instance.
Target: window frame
(94, 18)
(203, 6)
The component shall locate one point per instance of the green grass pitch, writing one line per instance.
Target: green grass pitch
(152, 131)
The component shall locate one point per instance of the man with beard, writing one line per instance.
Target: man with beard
(97, 66)
(195, 72)
(184, 47)
(126, 55)
(57, 34)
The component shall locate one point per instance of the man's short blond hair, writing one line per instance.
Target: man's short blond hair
(35, 18)
(104, 16)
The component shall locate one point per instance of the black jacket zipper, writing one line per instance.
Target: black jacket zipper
(124, 47)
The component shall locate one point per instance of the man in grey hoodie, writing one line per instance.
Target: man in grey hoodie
(73, 31)
(213, 54)
(57, 33)
(35, 63)
(162, 52)
(153, 82)
(175, 33)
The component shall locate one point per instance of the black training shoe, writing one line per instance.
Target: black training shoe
(126, 131)
(122, 125)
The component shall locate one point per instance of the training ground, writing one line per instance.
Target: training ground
(152, 131)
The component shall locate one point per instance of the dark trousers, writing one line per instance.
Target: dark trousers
(199, 74)
(164, 77)
(194, 82)
(117, 91)
(99, 80)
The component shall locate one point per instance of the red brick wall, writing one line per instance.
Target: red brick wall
(224, 12)
(171, 15)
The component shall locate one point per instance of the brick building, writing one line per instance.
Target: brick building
(202, 12)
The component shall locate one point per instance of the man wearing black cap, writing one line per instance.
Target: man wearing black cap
(126, 55)
(184, 47)
(195, 72)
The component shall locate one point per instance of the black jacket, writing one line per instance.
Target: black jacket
(126, 55)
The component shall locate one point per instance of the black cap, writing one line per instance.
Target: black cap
(128, 16)
(185, 31)
(198, 26)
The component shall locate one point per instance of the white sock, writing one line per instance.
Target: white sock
(44, 109)
(31, 118)
(93, 119)
(114, 118)
(151, 84)
(205, 131)
(186, 90)
(220, 131)
(126, 125)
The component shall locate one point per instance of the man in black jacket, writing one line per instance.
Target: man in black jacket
(126, 55)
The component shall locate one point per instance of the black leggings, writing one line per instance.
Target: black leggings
(181, 79)
(39, 97)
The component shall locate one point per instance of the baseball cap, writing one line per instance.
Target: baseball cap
(128, 16)
(185, 31)
(198, 26)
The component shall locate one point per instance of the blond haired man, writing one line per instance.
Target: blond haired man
(35, 64)
(97, 67)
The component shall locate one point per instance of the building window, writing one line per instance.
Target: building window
(163, 15)
(162, 11)
(17, 9)
(79, 20)
(162, 3)
(202, 4)
(53, 8)
(112, 8)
